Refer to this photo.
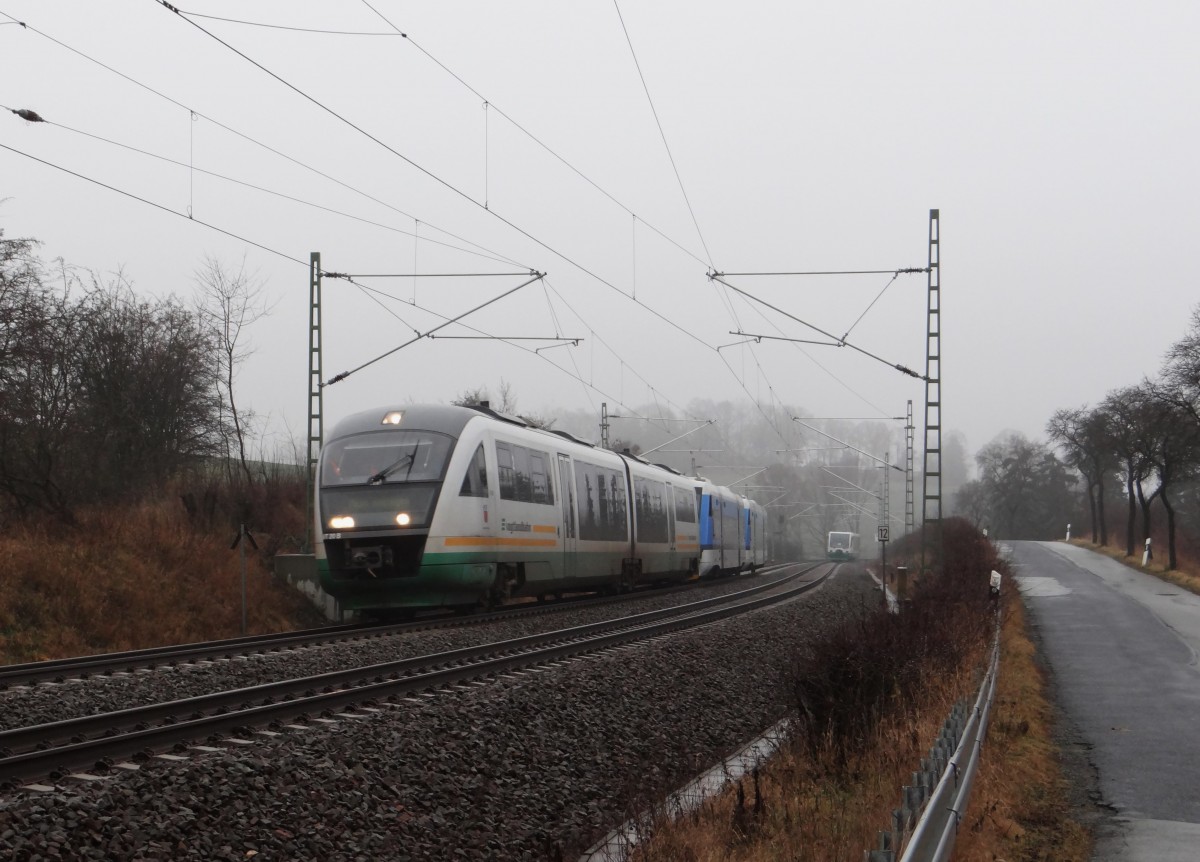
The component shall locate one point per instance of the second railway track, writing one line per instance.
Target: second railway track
(108, 664)
(99, 740)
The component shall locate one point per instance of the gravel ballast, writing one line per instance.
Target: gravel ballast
(43, 703)
(524, 768)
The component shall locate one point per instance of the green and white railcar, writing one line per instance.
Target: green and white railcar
(437, 506)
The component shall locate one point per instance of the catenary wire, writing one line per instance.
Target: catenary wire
(446, 184)
(285, 27)
(902, 369)
(577, 376)
(807, 355)
(165, 209)
(255, 142)
(273, 251)
(360, 286)
(491, 106)
(283, 195)
(663, 134)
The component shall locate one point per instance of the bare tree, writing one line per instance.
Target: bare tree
(1027, 488)
(505, 403)
(1181, 371)
(104, 396)
(1173, 446)
(971, 503)
(228, 303)
(1082, 434)
(1129, 416)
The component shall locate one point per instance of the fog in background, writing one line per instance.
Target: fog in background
(1057, 141)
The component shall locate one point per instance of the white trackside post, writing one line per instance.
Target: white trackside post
(1068, 532)
(1147, 555)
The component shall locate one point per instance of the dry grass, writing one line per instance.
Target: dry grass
(811, 809)
(815, 803)
(1020, 809)
(1186, 576)
(130, 578)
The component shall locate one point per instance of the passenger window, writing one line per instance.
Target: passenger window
(504, 459)
(542, 490)
(475, 481)
(523, 474)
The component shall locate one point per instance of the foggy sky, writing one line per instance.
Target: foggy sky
(1058, 142)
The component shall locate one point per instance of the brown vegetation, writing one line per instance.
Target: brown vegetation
(139, 576)
(869, 703)
(1187, 575)
(1019, 808)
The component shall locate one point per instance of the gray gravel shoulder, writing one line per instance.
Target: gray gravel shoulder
(519, 769)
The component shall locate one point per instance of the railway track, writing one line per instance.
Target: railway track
(99, 741)
(108, 664)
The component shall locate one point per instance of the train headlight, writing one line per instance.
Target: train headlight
(403, 519)
(341, 522)
(392, 418)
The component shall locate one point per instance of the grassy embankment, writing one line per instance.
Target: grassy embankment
(887, 687)
(142, 576)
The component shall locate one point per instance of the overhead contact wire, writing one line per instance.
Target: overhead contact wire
(492, 106)
(902, 369)
(494, 255)
(165, 209)
(264, 190)
(663, 134)
(444, 182)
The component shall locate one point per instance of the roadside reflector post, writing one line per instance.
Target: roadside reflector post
(902, 581)
(1147, 555)
(1068, 532)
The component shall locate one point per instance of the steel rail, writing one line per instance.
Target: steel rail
(104, 664)
(233, 710)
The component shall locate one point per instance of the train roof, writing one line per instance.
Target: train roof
(444, 418)
(451, 419)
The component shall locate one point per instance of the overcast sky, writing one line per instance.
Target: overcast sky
(1058, 141)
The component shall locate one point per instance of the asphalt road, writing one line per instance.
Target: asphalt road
(1123, 649)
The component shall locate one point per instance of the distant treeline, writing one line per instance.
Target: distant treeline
(1138, 447)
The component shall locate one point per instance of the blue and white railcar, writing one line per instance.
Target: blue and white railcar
(755, 534)
(721, 535)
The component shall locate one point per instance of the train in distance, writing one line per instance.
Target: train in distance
(843, 546)
(437, 506)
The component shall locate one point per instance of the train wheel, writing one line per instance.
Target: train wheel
(502, 588)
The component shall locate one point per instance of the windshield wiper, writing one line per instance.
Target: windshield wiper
(391, 468)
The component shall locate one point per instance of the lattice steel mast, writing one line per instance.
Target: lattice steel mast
(315, 397)
(931, 503)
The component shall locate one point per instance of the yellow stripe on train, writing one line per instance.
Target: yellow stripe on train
(497, 541)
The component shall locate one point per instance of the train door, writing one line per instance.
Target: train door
(723, 561)
(672, 539)
(567, 532)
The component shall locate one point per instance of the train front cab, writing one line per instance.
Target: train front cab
(506, 511)
(385, 482)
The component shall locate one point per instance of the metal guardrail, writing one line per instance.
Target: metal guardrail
(926, 823)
